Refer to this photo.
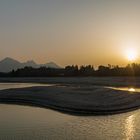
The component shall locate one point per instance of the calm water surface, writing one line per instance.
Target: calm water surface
(21, 122)
(20, 85)
(129, 89)
(27, 123)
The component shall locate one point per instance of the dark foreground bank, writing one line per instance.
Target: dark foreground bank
(78, 100)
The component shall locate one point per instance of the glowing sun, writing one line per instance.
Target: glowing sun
(131, 54)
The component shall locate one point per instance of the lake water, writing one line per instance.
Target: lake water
(20, 85)
(27, 123)
(130, 89)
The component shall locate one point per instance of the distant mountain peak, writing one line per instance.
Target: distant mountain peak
(51, 65)
(30, 62)
(8, 64)
(8, 59)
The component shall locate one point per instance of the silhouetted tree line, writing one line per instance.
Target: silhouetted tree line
(74, 70)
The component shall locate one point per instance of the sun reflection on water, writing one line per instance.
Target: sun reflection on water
(130, 89)
(129, 127)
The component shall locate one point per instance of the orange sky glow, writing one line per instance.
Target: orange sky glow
(71, 32)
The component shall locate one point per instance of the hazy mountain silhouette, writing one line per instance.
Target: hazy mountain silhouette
(50, 65)
(9, 64)
(30, 63)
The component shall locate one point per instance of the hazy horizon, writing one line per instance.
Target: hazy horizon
(70, 32)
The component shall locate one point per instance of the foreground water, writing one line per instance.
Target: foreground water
(22, 122)
(20, 85)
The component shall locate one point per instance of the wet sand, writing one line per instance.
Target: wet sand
(77, 99)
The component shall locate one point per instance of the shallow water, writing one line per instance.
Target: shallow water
(129, 89)
(23, 122)
(20, 85)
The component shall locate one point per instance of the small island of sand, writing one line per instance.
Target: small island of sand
(77, 98)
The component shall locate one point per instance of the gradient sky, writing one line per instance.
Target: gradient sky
(69, 31)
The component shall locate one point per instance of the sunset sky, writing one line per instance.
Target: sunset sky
(70, 31)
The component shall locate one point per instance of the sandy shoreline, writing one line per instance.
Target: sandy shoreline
(100, 81)
(78, 99)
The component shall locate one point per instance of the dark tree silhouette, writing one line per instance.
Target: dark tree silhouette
(88, 70)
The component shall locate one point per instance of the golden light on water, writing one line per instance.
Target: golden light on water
(129, 127)
(131, 90)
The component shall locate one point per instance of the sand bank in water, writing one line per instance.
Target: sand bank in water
(87, 100)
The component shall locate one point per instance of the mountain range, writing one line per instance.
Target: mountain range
(9, 64)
